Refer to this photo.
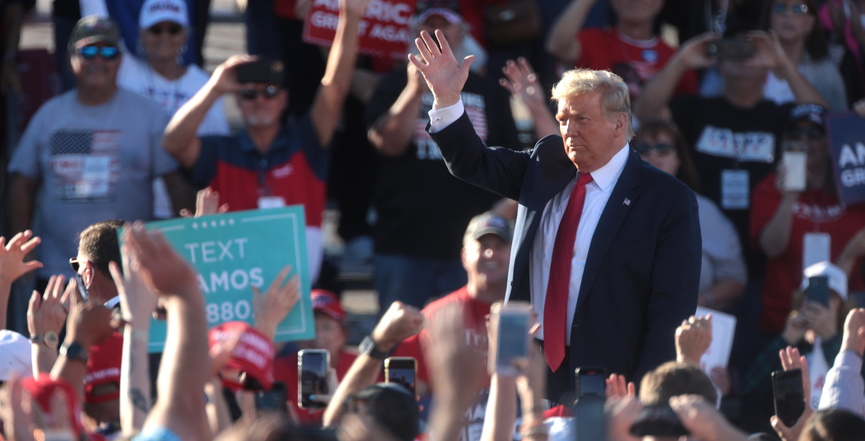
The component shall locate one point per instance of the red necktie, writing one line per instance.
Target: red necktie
(556, 303)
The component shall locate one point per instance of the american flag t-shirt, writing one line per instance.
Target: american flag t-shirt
(85, 164)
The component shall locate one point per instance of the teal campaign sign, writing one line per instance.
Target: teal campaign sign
(235, 251)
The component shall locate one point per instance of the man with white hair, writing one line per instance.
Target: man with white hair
(607, 247)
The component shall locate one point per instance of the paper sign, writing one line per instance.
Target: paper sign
(233, 252)
(383, 30)
(816, 248)
(847, 136)
(723, 330)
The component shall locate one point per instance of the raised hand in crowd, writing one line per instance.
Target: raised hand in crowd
(398, 323)
(794, 329)
(769, 52)
(137, 304)
(854, 332)
(619, 388)
(522, 82)
(791, 359)
(13, 254)
(621, 412)
(531, 388)
(271, 308)
(822, 320)
(46, 316)
(206, 203)
(443, 74)
(704, 421)
(855, 248)
(693, 338)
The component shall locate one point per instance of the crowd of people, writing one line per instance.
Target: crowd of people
(588, 166)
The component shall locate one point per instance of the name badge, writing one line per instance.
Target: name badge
(735, 191)
(816, 247)
(265, 202)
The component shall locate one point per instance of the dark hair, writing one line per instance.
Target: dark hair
(834, 425)
(672, 379)
(687, 173)
(98, 243)
(815, 42)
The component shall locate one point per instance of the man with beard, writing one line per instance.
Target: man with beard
(90, 154)
(270, 164)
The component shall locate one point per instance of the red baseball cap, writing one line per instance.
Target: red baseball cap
(253, 355)
(103, 367)
(43, 388)
(328, 303)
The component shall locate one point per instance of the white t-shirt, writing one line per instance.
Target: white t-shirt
(137, 76)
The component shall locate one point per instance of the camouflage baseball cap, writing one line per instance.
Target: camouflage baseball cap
(94, 29)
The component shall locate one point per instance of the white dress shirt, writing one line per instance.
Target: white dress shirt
(597, 193)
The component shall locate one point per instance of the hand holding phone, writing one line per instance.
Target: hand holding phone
(510, 326)
(312, 365)
(274, 399)
(818, 290)
(401, 371)
(789, 395)
(795, 166)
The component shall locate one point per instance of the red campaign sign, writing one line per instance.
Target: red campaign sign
(383, 30)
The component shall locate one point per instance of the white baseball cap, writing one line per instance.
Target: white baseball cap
(16, 355)
(837, 277)
(157, 11)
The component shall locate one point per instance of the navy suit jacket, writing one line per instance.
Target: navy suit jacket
(643, 268)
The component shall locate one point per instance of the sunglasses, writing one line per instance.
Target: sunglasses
(251, 94)
(106, 52)
(75, 263)
(812, 133)
(661, 149)
(779, 8)
(171, 29)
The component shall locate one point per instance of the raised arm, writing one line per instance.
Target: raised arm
(327, 106)
(562, 42)
(180, 139)
(392, 132)
(771, 55)
(655, 95)
(181, 382)
(12, 265)
(47, 314)
(522, 82)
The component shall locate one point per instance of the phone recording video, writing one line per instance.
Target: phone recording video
(818, 290)
(591, 381)
(511, 324)
(789, 396)
(732, 48)
(274, 399)
(312, 367)
(401, 371)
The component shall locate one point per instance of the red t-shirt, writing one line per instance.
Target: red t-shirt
(475, 324)
(285, 370)
(635, 61)
(815, 211)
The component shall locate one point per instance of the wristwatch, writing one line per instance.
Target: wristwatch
(49, 339)
(75, 351)
(368, 347)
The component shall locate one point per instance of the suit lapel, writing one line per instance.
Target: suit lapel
(621, 199)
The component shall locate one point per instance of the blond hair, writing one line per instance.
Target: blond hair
(614, 91)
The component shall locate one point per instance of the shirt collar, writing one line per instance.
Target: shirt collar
(279, 142)
(607, 175)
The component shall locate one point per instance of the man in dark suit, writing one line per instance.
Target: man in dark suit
(607, 247)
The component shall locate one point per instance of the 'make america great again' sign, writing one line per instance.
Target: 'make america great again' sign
(383, 31)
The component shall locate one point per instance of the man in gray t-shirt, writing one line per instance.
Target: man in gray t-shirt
(88, 155)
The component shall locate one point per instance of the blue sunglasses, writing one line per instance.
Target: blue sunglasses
(106, 52)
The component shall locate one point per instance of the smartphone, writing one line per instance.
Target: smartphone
(795, 162)
(401, 371)
(735, 48)
(818, 290)
(510, 324)
(789, 396)
(258, 71)
(274, 399)
(658, 421)
(591, 423)
(312, 367)
(591, 381)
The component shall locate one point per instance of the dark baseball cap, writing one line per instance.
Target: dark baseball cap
(813, 113)
(94, 29)
(488, 223)
(448, 9)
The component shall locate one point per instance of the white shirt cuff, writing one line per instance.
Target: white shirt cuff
(441, 118)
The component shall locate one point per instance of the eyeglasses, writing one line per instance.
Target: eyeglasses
(75, 263)
(780, 8)
(813, 133)
(170, 28)
(251, 94)
(661, 149)
(106, 52)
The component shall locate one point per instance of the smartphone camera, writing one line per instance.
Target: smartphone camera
(312, 365)
(401, 371)
(274, 399)
(732, 48)
(818, 290)
(591, 381)
(510, 323)
(789, 395)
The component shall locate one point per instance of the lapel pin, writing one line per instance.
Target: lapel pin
(627, 202)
